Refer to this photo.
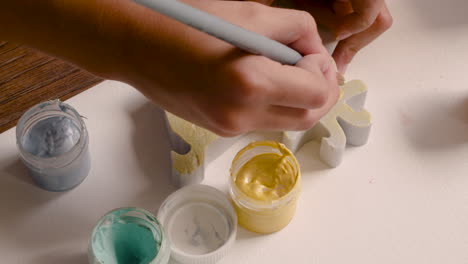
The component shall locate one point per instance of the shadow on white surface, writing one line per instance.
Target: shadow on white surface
(17, 171)
(153, 154)
(244, 234)
(437, 13)
(461, 111)
(440, 124)
(16, 182)
(21, 201)
(309, 158)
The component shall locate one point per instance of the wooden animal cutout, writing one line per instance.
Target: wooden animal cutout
(189, 147)
(346, 123)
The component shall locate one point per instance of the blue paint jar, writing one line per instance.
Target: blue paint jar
(53, 144)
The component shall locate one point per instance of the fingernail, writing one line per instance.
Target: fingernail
(343, 35)
(344, 68)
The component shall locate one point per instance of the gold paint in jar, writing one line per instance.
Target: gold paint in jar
(264, 186)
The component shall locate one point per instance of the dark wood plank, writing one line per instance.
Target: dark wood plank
(35, 79)
(28, 77)
(22, 65)
(79, 80)
(13, 54)
(8, 46)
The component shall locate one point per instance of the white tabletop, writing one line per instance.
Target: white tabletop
(402, 198)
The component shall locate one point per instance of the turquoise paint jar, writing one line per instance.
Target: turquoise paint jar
(128, 235)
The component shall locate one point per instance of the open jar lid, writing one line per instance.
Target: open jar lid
(200, 222)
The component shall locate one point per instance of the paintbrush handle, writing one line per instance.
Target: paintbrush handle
(221, 29)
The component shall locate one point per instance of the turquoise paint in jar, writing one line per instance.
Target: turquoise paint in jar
(53, 144)
(128, 235)
(195, 225)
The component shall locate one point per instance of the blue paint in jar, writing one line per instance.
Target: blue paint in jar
(53, 143)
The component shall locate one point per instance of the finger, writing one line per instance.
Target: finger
(321, 12)
(282, 118)
(348, 48)
(289, 118)
(300, 33)
(305, 85)
(342, 7)
(241, 117)
(263, 117)
(328, 21)
(364, 15)
(298, 30)
(294, 28)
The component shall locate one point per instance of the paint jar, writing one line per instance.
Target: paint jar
(128, 235)
(201, 224)
(265, 184)
(53, 144)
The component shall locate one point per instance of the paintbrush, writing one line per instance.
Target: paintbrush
(242, 38)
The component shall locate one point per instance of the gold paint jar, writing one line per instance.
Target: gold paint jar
(265, 183)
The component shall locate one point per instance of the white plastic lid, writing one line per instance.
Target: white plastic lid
(200, 222)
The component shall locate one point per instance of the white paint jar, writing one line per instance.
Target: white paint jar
(201, 224)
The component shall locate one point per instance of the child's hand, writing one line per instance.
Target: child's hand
(228, 91)
(356, 23)
(187, 72)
